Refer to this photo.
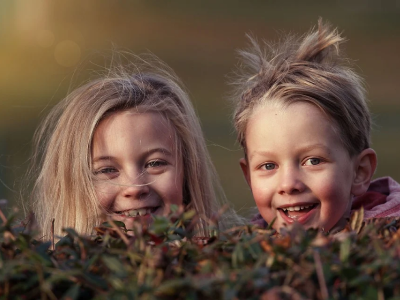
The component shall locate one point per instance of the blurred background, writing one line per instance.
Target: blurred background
(49, 47)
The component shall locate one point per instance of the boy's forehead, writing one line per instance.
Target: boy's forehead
(267, 102)
(282, 106)
(272, 124)
(278, 106)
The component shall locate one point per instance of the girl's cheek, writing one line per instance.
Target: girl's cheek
(105, 193)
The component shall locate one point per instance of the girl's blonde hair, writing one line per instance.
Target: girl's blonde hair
(309, 68)
(63, 188)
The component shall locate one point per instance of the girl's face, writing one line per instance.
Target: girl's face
(297, 167)
(136, 167)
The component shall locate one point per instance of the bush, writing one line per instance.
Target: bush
(164, 261)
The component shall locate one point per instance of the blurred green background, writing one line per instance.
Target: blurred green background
(47, 47)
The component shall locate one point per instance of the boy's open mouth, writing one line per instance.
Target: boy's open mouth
(295, 212)
(132, 213)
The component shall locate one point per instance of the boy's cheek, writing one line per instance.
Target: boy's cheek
(269, 215)
(263, 202)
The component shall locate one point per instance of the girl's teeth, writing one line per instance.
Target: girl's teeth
(142, 211)
(133, 213)
(137, 212)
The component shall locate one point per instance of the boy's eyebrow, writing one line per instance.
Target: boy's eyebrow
(300, 149)
(260, 152)
(149, 152)
(313, 146)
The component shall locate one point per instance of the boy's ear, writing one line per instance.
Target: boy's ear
(364, 170)
(245, 170)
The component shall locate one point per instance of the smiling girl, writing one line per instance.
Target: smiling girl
(127, 145)
(304, 125)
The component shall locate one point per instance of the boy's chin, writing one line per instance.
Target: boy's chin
(339, 226)
(326, 228)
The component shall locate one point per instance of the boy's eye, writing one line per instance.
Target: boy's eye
(312, 161)
(269, 166)
(155, 163)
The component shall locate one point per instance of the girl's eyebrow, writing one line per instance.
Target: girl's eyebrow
(149, 152)
(102, 158)
(161, 150)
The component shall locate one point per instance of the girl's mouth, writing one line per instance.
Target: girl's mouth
(299, 213)
(132, 213)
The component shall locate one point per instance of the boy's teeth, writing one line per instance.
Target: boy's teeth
(296, 208)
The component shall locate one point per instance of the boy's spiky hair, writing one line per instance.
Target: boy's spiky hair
(309, 68)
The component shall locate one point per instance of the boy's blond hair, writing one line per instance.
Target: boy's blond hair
(309, 68)
(63, 187)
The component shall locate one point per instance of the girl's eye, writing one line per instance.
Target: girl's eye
(269, 166)
(155, 163)
(312, 161)
(105, 171)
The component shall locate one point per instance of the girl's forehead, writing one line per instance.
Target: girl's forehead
(140, 113)
(138, 129)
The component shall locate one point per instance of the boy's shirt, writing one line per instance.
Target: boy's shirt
(381, 200)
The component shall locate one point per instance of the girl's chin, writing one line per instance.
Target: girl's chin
(130, 221)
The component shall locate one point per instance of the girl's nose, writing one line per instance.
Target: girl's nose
(290, 182)
(136, 187)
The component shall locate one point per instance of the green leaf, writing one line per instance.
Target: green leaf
(189, 215)
(174, 208)
(161, 225)
(345, 248)
(72, 293)
(114, 265)
(171, 287)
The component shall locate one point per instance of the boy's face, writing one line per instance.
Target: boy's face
(137, 171)
(297, 167)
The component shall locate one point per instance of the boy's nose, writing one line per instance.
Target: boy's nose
(290, 182)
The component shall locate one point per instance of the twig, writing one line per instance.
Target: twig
(3, 217)
(29, 223)
(320, 275)
(7, 234)
(52, 234)
(83, 250)
(118, 230)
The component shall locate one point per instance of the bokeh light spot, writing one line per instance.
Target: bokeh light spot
(67, 53)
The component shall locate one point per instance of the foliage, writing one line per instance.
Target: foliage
(165, 261)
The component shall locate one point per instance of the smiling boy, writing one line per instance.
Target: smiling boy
(304, 125)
